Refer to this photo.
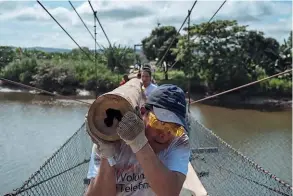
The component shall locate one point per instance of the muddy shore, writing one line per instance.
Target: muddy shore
(255, 102)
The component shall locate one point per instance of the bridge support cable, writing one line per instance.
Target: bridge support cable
(109, 42)
(94, 37)
(110, 45)
(189, 59)
(206, 26)
(95, 29)
(50, 178)
(242, 86)
(160, 61)
(87, 54)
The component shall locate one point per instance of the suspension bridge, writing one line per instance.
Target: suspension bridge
(221, 169)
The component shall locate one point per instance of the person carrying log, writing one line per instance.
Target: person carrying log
(138, 75)
(153, 154)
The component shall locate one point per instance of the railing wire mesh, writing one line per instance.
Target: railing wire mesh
(222, 170)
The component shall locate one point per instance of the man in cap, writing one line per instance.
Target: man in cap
(153, 154)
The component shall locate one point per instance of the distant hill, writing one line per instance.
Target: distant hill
(61, 50)
(44, 49)
(49, 49)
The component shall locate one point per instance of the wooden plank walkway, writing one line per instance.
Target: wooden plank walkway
(192, 185)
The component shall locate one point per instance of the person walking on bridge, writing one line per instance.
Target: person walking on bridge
(138, 75)
(148, 86)
(125, 79)
(153, 154)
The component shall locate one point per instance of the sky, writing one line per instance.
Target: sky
(26, 23)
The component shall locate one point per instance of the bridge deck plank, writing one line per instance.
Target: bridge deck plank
(192, 185)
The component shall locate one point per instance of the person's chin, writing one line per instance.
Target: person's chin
(157, 147)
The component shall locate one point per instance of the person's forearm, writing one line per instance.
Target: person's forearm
(160, 178)
(104, 183)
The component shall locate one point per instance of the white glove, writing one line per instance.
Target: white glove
(131, 129)
(104, 148)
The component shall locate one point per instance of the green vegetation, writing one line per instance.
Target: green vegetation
(221, 55)
(178, 77)
(65, 72)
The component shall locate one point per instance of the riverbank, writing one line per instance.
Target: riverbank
(255, 103)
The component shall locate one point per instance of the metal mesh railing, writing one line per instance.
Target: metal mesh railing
(222, 170)
(225, 171)
(64, 172)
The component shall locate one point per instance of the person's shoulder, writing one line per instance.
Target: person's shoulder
(153, 85)
(178, 147)
(181, 142)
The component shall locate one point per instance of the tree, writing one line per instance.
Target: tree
(119, 57)
(59, 79)
(225, 55)
(288, 42)
(20, 71)
(285, 57)
(157, 43)
(282, 59)
(7, 54)
(258, 49)
(78, 54)
(218, 57)
(183, 57)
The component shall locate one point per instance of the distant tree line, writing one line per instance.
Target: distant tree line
(219, 56)
(64, 72)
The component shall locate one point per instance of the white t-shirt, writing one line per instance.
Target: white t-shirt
(130, 179)
(149, 89)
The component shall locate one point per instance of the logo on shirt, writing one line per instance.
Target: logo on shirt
(131, 179)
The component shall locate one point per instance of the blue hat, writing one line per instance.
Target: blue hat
(169, 104)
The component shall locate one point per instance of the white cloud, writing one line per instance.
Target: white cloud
(128, 22)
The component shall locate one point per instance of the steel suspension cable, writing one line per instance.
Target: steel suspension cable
(88, 55)
(100, 24)
(84, 24)
(158, 62)
(242, 86)
(206, 26)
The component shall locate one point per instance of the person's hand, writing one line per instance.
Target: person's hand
(104, 148)
(131, 129)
